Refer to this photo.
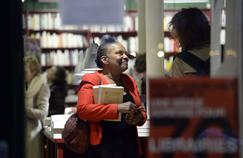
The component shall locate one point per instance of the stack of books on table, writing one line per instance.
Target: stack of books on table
(57, 125)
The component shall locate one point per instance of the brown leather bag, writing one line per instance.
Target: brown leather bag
(76, 134)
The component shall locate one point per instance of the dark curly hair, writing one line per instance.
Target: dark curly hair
(60, 75)
(191, 27)
(102, 49)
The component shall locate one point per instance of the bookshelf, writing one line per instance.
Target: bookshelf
(47, 50)
(57, 40)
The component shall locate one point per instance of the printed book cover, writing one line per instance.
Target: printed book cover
(108, 94)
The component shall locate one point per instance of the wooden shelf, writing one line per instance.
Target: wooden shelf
(70, 67)
(58, 11)
(127, 11)
(83, 32)
(47, 50)
(124, 34)
(170, 54)
(42, 11)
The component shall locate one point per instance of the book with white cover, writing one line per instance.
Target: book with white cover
(108, 94)
(58, 122)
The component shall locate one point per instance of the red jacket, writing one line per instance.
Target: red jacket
(87, 110)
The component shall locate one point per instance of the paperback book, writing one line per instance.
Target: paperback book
(108, 94)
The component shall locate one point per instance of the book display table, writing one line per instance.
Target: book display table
(55, 147)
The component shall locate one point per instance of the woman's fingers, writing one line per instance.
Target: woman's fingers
(133, 119)
(127, 107)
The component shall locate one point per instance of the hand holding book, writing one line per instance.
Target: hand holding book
(109, 94)
(134, 118)
(127, 107)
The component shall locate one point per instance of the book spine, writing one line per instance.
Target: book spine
(99, 95)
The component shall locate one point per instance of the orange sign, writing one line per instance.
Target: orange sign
(193, 118)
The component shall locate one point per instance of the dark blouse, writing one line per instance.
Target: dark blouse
(57, 99)
(113, 131)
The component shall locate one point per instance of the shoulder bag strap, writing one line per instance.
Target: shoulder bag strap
(192, 60)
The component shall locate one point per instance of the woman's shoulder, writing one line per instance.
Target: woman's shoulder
(92, 77)
(180, 68)
(127, 77)
(202, 53)
(91, 74)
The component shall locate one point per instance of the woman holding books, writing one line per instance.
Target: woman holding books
(111, 139)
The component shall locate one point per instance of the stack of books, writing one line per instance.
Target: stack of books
(109, 94)
(57, 125)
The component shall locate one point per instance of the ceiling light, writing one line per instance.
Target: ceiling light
(160, 54)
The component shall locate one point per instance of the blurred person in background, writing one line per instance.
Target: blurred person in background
(58, 88)
(37, 95)
(140, 68)
(191, 29)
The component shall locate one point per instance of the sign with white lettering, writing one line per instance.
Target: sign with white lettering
(92, 12)
(193, 117)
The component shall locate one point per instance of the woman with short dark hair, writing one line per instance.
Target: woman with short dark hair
(191, 29)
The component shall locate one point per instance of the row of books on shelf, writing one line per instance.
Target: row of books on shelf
(63, 40)
(53, 21)
(61, 58)
(70, 40)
